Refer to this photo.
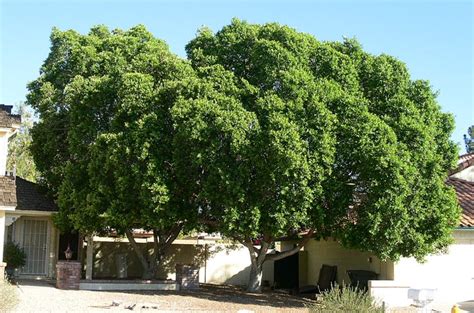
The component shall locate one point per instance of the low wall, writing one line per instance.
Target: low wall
(390, 292)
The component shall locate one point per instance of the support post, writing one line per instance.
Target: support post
(89, 257)
(2, 241)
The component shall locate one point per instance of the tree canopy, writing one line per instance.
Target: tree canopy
(318, 136)
(264, 132)
(19, 154)
(104, 138)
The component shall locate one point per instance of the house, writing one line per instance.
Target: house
(26, 218)
(25, 211)
(451, 274)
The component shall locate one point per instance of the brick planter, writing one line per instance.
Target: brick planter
(187, 276)
(68, 274)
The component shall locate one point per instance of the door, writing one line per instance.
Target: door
(35, 233)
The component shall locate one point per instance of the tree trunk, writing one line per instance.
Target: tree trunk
(149, 270)
(255, 278)
(257, 258)
(162, 241)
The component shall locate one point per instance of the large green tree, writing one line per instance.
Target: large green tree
(19, 154)
(104, 136)
(265, 133)
(285, 134)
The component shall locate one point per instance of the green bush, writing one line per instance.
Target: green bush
(8, 296)
(14, 256)
(345, 299)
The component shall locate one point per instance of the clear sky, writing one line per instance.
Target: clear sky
(434, 38)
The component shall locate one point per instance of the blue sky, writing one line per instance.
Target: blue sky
(434, 38)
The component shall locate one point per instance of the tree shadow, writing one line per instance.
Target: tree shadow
(235, 295)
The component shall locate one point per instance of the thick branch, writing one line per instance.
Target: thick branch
(171, 236)
(249, 244)
(137, 249)
(282, 255)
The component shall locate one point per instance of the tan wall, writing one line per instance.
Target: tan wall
(219, 263)
(332, 253)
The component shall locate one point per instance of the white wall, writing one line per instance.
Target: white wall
(2, 234)
(230, 265)
(3, 151)
(452, 273)
(466, 174)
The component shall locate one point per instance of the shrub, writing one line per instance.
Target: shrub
(8, 295)
(345, 299)
(14, 256)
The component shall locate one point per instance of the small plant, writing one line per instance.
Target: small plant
(343, 298)
(8, 295)
(14, 256)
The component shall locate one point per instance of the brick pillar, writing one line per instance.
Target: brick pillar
(68, 274)
(187, 276)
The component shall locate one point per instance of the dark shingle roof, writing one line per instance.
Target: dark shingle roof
(465, 194)
(7, 119)
(30, 196)
(7, 191)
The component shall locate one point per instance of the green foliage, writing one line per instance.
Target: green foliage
(101, 142)
(14, 255)
(263, 132)
(469, 139)
(345, 299)
(103, 139)
(284, 132)
(19, 154)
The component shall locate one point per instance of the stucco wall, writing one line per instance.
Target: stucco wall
(452, 273)
(3, 151)
(332, 253)
(219, 263)
(466, 174)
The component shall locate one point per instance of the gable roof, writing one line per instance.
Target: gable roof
(31, 197)
(7, 191)
(7, 119)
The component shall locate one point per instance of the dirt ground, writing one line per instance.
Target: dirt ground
(36, 296)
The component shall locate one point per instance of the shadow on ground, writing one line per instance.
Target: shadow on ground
(467, 306)
(233, 294)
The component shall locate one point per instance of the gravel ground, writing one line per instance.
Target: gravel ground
(38, 296)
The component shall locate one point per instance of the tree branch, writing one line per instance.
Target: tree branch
(137, 249)
(282, 255)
